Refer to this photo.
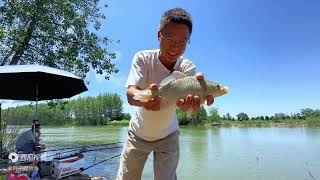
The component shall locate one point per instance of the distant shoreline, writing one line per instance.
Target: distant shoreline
(315, 123)
(263, 124)
(250, 123)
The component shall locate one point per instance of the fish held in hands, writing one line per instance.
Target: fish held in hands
(179, 86)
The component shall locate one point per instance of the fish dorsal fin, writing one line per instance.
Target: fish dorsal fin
(173, 76)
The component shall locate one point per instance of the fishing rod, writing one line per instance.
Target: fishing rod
(84, 151)
(312, 177)
(78, 147)
(94, 164)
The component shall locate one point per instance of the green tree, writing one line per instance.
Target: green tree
(8, 135)
(57, 33)
(279, 116)
(126, 116)
(214, 116)
(296, 116)
(111, 106)
(182, 117)
(242, 116)
(198, 118)
(228, 116)
(308, 112)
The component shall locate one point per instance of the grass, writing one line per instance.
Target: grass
(123, 122)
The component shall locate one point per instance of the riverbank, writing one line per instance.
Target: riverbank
(288, 123)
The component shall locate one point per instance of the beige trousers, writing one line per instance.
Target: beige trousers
(135, 153)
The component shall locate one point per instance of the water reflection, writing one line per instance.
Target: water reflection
(311, 132)
(214, 153)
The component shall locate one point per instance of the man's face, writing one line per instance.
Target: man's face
(173, 40)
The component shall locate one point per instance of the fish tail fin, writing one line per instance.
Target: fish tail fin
(143, 95)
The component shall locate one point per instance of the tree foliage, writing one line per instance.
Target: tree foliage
(56, 33)
(214, 116)
(228, 117)
(182, 117)
(242, 116)
(198, 118)
(192, 118)
(279, 116)
(308, 112)
(8, 133)
(98, 110)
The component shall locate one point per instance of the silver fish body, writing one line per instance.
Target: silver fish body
(181, 88)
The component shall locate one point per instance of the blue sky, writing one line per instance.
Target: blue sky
(267, 52)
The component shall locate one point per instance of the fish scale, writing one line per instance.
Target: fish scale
(181, 87)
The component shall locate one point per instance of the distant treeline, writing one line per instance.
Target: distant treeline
(103, 109)
(99, 110)
(212, 117)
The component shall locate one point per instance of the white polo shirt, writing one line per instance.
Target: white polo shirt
(146, 69)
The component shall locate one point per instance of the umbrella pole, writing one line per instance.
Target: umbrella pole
(37, 91)
(1, 133)
(34, 125)
(34, 122)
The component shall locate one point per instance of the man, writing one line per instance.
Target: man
(29, 140)
(152, 128)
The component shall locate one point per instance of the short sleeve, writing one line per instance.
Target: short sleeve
(138, 73)
(187, 67)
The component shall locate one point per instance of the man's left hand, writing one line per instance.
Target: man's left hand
(192, 103)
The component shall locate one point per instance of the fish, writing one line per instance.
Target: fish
(178, 86)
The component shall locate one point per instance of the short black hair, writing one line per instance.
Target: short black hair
(176, 15)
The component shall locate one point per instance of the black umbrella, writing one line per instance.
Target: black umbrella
(36, 83)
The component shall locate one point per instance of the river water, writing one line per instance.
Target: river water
(211, 153)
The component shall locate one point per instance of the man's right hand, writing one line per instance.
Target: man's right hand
(151, 105)
(154, 103)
